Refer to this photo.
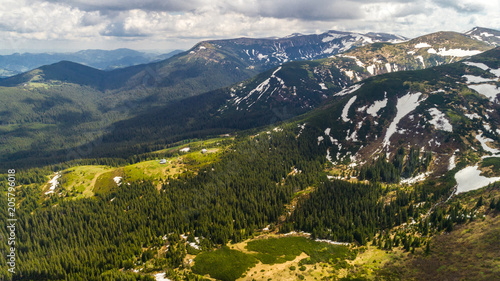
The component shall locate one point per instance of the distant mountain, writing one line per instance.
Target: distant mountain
(486, 35)
(185, 95)
(101, 59)
(207, 66)
(274, 51)
(301, 86)
(64, 71)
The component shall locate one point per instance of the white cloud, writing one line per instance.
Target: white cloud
(181, 23)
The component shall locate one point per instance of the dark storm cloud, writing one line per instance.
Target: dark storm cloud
(460, 6)
(124, 5)
(305, 10)
(313, 10)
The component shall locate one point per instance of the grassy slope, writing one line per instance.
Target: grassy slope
(86, 180)
(470, 252)
(272, 257)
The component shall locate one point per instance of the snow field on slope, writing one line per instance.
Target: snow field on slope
(477, 79)
(439, 120)
(404, 106)
(484, 140)
(376, 107)
(349, 90)
(345, 111)
(488, 90)
(53, 183)
(469, 179)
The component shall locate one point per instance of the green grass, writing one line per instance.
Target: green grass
(105, 183)
(279, 250)
(81, 179)
(223, 264)
(493, 163)
(228, 264)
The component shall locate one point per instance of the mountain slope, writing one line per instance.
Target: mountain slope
(141, 92)
(101, 59)
(272, 96)
(450, 111)
(486, 35)
(304, 85)
(64, 71)
(269, 52)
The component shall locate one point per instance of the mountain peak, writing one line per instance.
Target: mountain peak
(487, 35)
(63, 71)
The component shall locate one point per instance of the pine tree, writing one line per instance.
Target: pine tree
(492, 203)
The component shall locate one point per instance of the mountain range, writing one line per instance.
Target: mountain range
(340, 155)
(17, 63)
(74, 94)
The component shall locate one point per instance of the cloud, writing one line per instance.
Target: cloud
(126, 5)
(181, 23)
(321, 10)
(463, 6)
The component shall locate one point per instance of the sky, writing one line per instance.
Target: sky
(70, 25)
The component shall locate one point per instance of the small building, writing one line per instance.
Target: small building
(203, 151)
(163, 161)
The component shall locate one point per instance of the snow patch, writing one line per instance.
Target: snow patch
(477, 79)
(484, 143)
(332, 36)
(185, 149)
(261, 56)
(439, 120)
(53, 183)
(421, 59)
(349, 90)
(327, 131)
(371, 69)
(496, 72)
(458, 52)
(487, 126)
(404, 106)
(488, 90)
(323, 87)
(415, 179)
(345, 111)
(472, 116)
(422, 45)
(476, 64)
(376, 107)
(451, 164)
(302, 127)
(161, 277)
(117, 180)
(329, 157)
(388, 67)
(349, 74)
(332, 242)
(261, 88)
(320, 139)
(358, 62)
(470, 179)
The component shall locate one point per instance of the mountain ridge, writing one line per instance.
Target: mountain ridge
(18, 63)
